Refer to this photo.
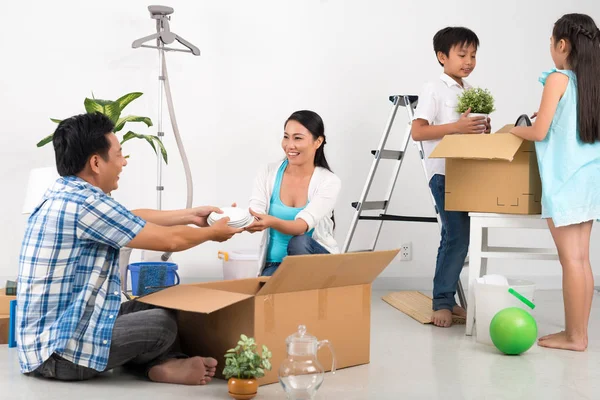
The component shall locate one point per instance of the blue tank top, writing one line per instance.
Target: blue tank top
(569, 168)
(278, 242)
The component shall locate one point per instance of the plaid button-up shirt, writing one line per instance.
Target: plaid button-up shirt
(68, 293)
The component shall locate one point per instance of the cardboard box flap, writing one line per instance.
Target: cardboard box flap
(193, 298)
(499, 146)
(310, 272)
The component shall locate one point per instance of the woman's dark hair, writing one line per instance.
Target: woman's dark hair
(314, 123)
(78, 138)
(580, 31)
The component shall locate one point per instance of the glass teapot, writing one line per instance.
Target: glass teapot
(301, 374)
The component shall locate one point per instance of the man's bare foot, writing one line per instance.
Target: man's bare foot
(459, 311)
(561, 341)
(186, 371)
(442, 318)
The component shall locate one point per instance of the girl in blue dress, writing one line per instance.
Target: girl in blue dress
(567, 136)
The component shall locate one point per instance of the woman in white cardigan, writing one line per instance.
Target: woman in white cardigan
(293, 199)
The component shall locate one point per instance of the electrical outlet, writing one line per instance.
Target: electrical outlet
(406, 252)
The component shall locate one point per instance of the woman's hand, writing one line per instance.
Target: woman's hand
(262, 222)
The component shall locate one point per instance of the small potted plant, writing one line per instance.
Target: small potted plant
(480, 101)
(243, 366)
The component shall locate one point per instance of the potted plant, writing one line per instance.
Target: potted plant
(243, 366)
(113, 109)
(480, 101)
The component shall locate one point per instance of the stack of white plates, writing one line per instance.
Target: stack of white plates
(238, 217)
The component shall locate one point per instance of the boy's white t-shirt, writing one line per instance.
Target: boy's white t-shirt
(437, 105)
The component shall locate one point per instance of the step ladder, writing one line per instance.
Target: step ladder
(397, 156)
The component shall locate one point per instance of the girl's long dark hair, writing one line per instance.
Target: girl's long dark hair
(314, 124)
(580, 31)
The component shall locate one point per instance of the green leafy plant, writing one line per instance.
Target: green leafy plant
(243, 362)
(113, 110)
(480, 101)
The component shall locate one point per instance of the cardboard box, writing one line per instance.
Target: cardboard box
(5, 302)
(4, 324)
(330, 294)
(495, 173)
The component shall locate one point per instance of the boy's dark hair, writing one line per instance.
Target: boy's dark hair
(78, 138)
(449, 37)
(580, 31)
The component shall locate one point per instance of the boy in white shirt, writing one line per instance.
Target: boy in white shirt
(436, 117)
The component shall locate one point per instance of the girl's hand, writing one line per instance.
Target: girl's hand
(262, 222)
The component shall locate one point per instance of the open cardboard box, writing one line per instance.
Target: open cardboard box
(495, 173)
(330, 294)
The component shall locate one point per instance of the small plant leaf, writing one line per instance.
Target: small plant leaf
(150, 139)
(109, 108)
(131, 118)
(92, 106)
(126, 99)
(58, 121)
(45, 140)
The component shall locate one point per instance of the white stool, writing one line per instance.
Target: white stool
(480, 252)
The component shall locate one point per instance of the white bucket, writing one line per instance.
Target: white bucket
(491, 298)
(239, 264)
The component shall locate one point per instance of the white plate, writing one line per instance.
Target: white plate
(243, 224)
(234, 214)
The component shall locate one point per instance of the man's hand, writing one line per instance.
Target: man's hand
(199, 215)
(262, 222)
(222, 232)
(472, 125)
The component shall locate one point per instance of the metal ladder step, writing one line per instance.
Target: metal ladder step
(370, 205)
(388, 217)
(388, 154)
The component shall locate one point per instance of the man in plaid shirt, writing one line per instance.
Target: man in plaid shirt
(70, 321)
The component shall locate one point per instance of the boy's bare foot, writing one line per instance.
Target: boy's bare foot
(551, 336)
(561, 341)
(442, 318)
(186, 371)
(459, 311)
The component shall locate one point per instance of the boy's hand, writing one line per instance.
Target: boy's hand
(472, 125)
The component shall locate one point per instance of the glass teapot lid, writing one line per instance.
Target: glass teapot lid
(301, 336)
(302, 343)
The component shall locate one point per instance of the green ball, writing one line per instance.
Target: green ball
(513, 330)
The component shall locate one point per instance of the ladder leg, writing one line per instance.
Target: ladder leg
(370, 177)
(392, 185)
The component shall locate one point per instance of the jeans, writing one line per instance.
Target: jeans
(143, 336)
(297, 246)
(454, 246)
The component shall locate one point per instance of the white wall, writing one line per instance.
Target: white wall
(261, 61)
